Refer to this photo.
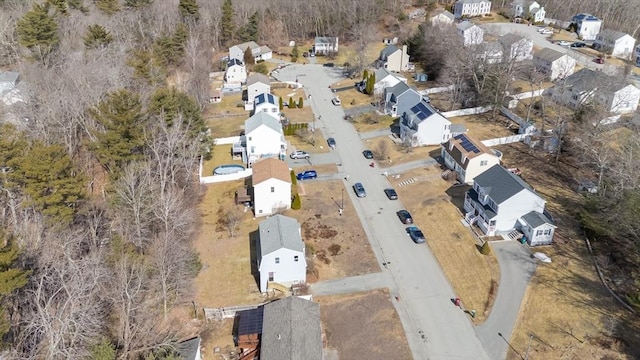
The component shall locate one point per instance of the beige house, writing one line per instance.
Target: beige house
(468, 157)
(271, 180)
(394, 59)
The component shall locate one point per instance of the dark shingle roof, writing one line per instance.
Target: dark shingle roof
(257, 77)
(291, 330)
(535, 219)
(500, 184)
(548, 54)
(279, 232)
(189, 348)
(466, 25)
(611, 34)
(384, 53)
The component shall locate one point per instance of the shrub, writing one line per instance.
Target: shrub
(294, 180)
(300, 103)
(292, 103)
(261, 68)
(485, 249)
(297, 203)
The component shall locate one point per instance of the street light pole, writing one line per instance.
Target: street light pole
(526, 355)
(342, 202)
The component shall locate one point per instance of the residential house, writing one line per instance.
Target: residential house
(268, 104)
(281, 252)
(215, 96)
(271, 181)
(288, 328)
(441, 18)
(499, 199)
(516, 47)
(527, 9)
(394, 59)
(399, 98)
(468, 157)
(537, 228)
(325, 45)
(471, 33)
(470, 8)
(637, 55)
(258, 52)
(263, 138)
(291, 330)
(554, 63)
(190, 349)
(257, 84)
(491, 52)
(12, 90)
(384, 79)
(423, 125)
(615, 43)
(236, 73)
(586, 86)
(418, 14)
(587, 26)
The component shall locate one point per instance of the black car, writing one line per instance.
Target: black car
(405, 217)
(416, 235)
(329, 64)
(578, 45)
(368, 154)
(331, 142)
(391, 194)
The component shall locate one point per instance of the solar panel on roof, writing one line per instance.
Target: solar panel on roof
(251, 321)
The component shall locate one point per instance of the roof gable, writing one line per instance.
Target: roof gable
(500, 184)
(390, 49)
(258, 78)
(249, 44)
(260, 118)
(549, 54)
(280, 232)
(509, 39)
(399, 89)
(466, 25)
(270, 168)
(612, 35)
(188, 349)
(463, 148)
(9, 77)
(443, 12)
(536, 219)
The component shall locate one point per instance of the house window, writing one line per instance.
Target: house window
(547, 232)
(271, 276)
(265, 110)
(484, 162)
(539, 233)
(259, 211)
(277, 260)
(295, 258)
(249, 138)
(273, 189)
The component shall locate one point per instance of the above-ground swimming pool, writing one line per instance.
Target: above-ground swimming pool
(227, 169)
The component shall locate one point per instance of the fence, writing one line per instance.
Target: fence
(226, 312)
(436, 90)
(505, 140)
(525, 127)
(227, 140)
(468, 111)
(227, 177)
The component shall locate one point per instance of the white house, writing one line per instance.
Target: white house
(263, 138)
(236, 73)
(490, 52)
(280, 252)
(516, 47)
(190, 349)
(469, 8)
(471, 33)
(468, 157)
(258, 52)
(268, 104)
(585, 86)
(537, 228)
(423, 125)
(554, 63)
(394, 59)
(257, 84)
(587, 26)
(384, 79)
(271, 180)
(325, 45)
(528, 9)
(616, 43)
(441, 18)
(499, 199)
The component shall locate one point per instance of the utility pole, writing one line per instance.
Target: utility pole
(526, 355)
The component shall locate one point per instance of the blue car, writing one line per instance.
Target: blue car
(306, 175)
(416, 234)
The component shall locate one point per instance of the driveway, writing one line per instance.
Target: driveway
(516, 269)
(424, 294)
(315, 159)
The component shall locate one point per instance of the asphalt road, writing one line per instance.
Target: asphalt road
(434, 327)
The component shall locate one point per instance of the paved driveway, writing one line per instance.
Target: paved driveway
(417, 278)
(516, 269)
(315, 159)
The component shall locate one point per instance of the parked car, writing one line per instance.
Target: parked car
(599, 60)
(391, 194)
(331, 142)
(416, 234)
(299, 154)
(335, 101)
(329, 64)
(545, 31)
(359, 190)
(368, 154)
(563, 43)
(578, 45)
(405, 217)
(306, 175)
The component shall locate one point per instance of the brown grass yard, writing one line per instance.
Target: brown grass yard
(363, 125)
(363, 326)
(483, 127)
(436, 212)
(225, 126)
(353, 98)
(396, 155)
(228, 105)
(296, 143)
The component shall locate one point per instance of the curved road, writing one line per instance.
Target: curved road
(434, 327)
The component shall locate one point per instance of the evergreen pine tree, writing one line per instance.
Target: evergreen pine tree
(38, 31)
(137, 4)
(295, 53)
(171, 103)
(292, 103)
(61, 6)
(12, 278)
(170, 49)
(365, 75)
(250, 31)
(248, 57)
(300, 103)
(280, 103)
(97, 37)
(189, 9)
(227, 22)
(297, 203)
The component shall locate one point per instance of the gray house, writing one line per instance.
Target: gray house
(291, 330)
(501, 202)
(399, 99)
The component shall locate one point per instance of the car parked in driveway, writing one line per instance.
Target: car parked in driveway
(416, 234)
(306, 175)
(335, 101)
(359, 190)
(563, 43)
(405, 217)
(368, 154)
(598, 60)
(578, 45)
(331, 142)
(329, 64)
(391, 194)
(299, 154)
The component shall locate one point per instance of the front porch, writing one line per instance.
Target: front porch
(478, 214)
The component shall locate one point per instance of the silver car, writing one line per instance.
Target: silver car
(359, 190)
(299, 154)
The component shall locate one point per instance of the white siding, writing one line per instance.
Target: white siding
(236, 74)
(266, 200)
(272, 109)
(264, 142)
(434, 130)
(256, 89)
(624, 100)
(478, 165)
(514, 208)
(286, 272)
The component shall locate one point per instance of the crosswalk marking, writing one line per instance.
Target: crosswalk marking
(406, 182)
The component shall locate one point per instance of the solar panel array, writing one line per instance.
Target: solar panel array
(251, 321)
(466, 144)
(421, 111)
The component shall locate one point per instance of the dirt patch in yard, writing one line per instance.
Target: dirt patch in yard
(436, 212)
(363, 326)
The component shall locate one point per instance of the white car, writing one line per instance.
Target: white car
(335, 101)
(563, 43)
(546, 31)
(299, 154)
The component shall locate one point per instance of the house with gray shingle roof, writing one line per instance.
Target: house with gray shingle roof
(516, 47)
(258, 52)
(587, 26)
(399, 98)
(394, 58)
(256, 84)
(554, 63)
(441, 18)
(471, 8)
(325, 45)
(471, 33)
(615, 43)
(537, 228)
(423, 125)
(263, 137)
(236, 73)
(190, 349)
(498, 200)
(280, 252)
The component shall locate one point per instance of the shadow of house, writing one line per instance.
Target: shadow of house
(395, 127)
(436, 154)
(254, 237)
(456, 195)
